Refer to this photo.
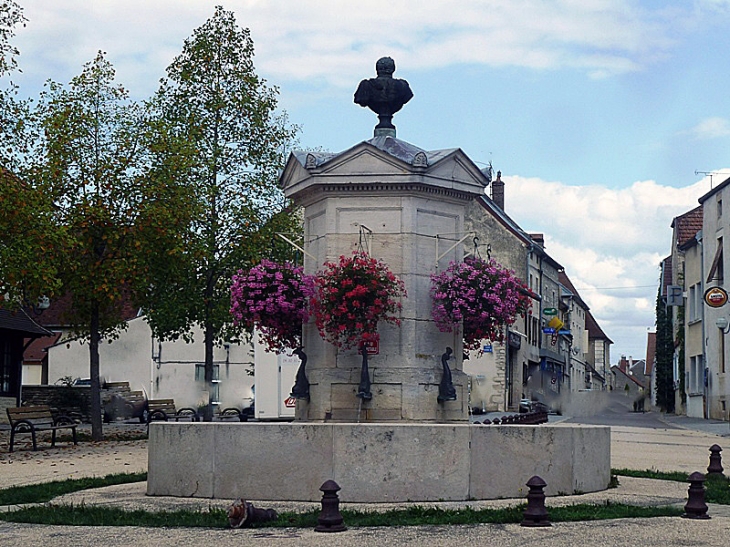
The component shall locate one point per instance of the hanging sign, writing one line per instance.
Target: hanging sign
(716, 297)
(555, 323)
(550, 311)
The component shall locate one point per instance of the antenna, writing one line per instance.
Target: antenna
(709, 174)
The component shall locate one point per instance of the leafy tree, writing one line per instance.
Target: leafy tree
(107, 214)
(217, 118)
(11, 15)
(664, 356)
(25, 213)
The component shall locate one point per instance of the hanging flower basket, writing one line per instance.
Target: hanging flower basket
(352, 296)
(480, 295)
(274, 299)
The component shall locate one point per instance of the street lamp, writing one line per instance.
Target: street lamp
(723, 324)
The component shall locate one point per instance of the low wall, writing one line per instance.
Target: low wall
(373, 462)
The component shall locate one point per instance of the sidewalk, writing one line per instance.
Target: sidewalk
(665, 449)
(713, 427)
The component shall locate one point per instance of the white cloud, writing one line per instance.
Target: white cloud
(711, 128)
(299, 40)
(610, 242)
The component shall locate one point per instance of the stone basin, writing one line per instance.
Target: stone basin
(374, 462)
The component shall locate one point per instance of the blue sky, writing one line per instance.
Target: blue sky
(599, 113)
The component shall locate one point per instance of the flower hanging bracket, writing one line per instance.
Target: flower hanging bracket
(295, 245)
(447, 251)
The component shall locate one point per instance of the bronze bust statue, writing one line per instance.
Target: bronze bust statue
(384, 95)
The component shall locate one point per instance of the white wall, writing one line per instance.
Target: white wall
(162, 370)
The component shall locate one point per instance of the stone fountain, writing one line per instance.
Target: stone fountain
(411, 440)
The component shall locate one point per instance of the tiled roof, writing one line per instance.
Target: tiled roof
(36, 351)
(564, 280)
(61, 309)
(594, 330)
(19, 321)
(617, 370)
(687, 225)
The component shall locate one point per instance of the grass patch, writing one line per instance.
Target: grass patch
(651, 474)
(414, 516)
(43, 492)
(717, 489)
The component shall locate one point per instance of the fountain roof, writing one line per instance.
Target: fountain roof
(397, 148)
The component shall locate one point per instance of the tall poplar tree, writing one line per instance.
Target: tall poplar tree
(664, 356)
(217, 118)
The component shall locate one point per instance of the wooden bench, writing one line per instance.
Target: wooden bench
(29, 419)
(164, 410)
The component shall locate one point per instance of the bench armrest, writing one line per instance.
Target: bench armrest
(23, 425)
(185, 413)
(157, 415)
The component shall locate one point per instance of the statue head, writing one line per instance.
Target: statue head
(385, 67)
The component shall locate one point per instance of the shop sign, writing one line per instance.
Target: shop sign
(715, 297)
(550, 311)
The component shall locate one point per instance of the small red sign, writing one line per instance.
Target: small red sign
(290, 402)
(372, 347)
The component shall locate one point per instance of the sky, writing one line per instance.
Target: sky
(607, 118)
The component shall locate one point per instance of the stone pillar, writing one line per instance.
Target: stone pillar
(405, 207)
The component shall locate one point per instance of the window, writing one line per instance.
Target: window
(719, 208)
(215, 387)
(200, 372)
(695, 299)
(695, 381)
(8, 368)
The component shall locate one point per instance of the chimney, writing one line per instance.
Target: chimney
(623, 363)
(539, 239)
(498, 191)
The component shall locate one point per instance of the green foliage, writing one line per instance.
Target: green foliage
(412, 516)
(43, 492)
(83, 217)
(216, 133)
(717, 489)
(11, 15)
(664, 356)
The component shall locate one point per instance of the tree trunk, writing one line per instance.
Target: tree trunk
(208, 414)
(97, 433)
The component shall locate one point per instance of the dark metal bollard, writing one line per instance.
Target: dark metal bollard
(715, 467)
(696, 507)
(536, 514)
(330, 519)
(242, 514)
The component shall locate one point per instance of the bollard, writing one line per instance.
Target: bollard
(696, 507)
(242, 514)
(715, 467)
(330, 519)
(536, 514)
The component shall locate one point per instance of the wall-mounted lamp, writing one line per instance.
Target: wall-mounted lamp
(723, 324)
